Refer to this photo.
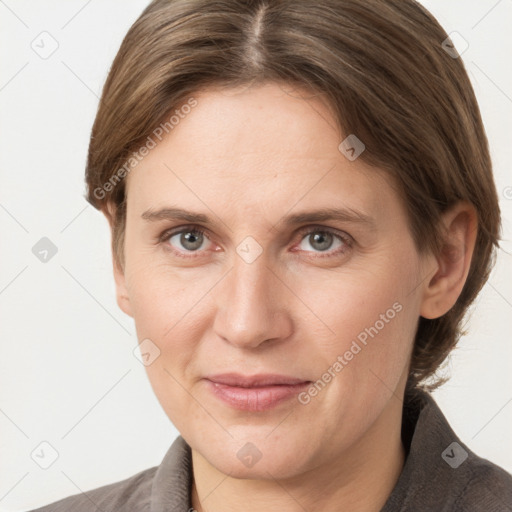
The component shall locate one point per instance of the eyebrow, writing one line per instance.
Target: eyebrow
(348, 215)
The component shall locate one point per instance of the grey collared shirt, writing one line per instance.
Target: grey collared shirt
(440, 474)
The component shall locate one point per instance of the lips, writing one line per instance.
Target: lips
(254, 393)
(243, 381)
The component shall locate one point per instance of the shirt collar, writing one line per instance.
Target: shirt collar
(172, 482)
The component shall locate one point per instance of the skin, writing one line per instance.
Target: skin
(247, 158)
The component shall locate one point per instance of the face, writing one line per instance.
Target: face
(330, 304)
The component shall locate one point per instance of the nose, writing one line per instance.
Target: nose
(252, 305)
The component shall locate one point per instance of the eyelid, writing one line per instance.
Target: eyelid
(314, 228)
(166, 234)
(303, 231)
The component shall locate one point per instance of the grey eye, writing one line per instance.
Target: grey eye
(190, 239)
(320, 241)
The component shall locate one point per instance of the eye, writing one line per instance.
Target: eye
(188, 239)
(323, 239)
(192, 240)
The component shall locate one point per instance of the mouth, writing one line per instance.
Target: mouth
(255, 393)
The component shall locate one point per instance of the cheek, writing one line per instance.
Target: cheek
(160, 297)
(370, 319)
(164, 308)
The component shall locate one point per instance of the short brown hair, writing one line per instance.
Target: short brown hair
(383, 68)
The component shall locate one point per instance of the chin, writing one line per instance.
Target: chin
(254, 456)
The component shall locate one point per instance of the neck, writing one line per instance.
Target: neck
(360, 479)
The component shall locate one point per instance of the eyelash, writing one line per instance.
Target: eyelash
(304, 232)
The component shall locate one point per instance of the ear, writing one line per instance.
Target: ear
(451, 266)
(122, 296)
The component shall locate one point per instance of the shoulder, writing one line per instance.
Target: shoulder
(130, 494)
(487, 487)
(472, 483)
(442, 473)
(160, 487)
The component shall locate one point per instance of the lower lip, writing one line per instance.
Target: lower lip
(256, 398)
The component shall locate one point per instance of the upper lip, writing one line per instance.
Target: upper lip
(248, 381)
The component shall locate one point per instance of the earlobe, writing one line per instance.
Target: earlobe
(451, 266)
(122, 297)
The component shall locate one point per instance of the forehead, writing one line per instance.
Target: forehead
(259, 150)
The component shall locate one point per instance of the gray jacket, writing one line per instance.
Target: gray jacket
(440, 474)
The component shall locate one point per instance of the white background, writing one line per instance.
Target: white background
(67, 372)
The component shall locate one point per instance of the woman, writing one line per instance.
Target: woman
(302, 209)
